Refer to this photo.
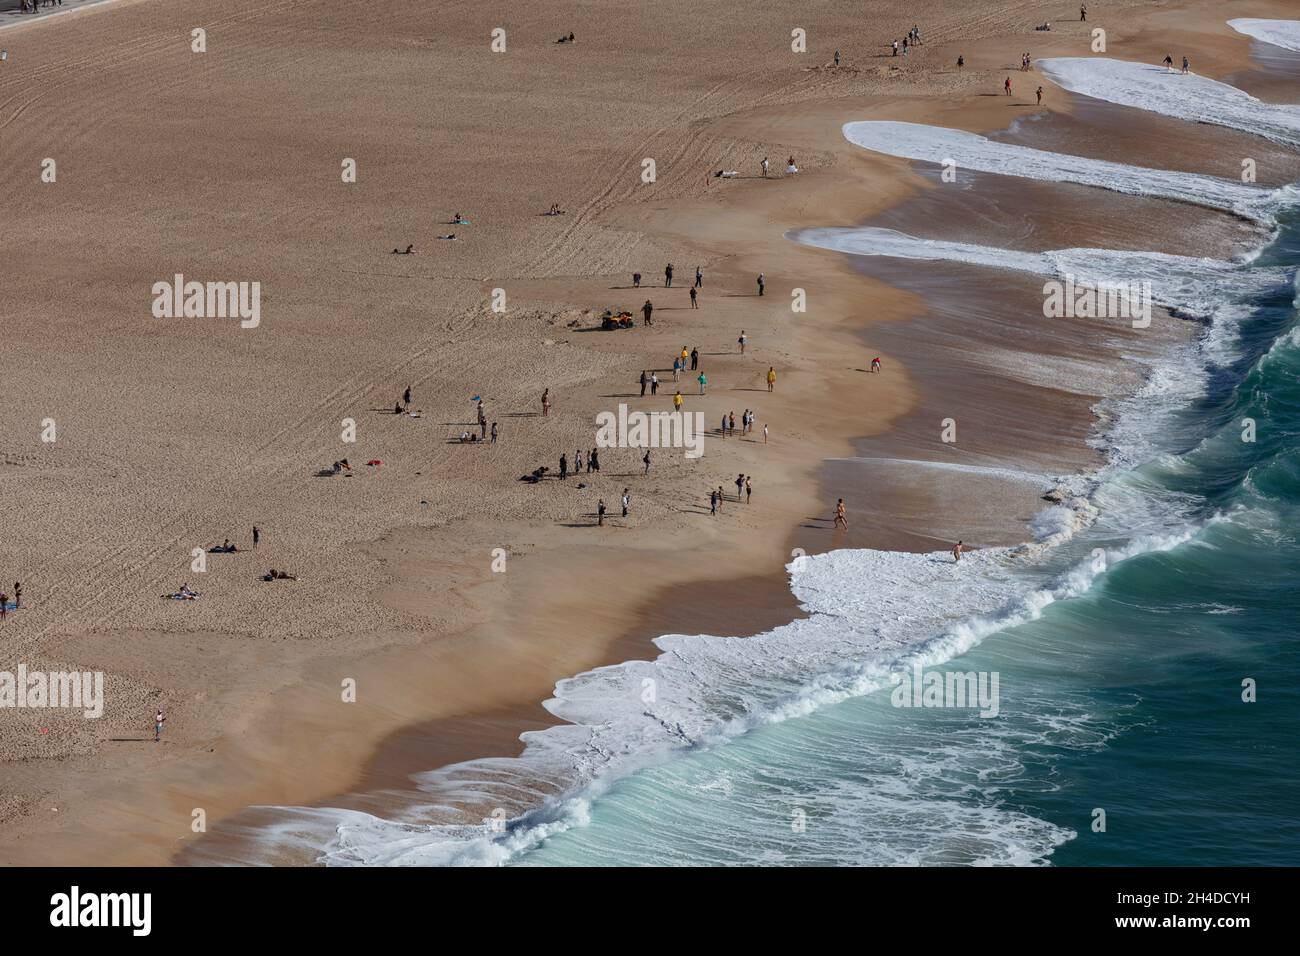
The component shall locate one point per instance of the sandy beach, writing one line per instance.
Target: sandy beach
(449, 593)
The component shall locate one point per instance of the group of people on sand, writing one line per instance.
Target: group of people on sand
(5, 607)
(912, 39)
(33, 6)
(1169, 64)
(744, 486)
(593, 464)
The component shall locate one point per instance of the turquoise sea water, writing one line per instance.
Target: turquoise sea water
(1126, 699)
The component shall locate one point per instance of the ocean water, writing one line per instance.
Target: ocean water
(1124, 633)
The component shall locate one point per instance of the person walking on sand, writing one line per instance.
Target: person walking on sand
(677, 401)
(713, 502)
(1186, 65)
(627, 500)
(494, 433)
(668, 276)
(677, 370)
(761, 283)
(1039, 94)
(257, 535)
(764, 433)
(577, 462)
(158, 719)
(722, 429)
(749, 488)
(720, 499)
(695, 359)
(840, 517)
(699, 278)
(654, 383)
(1007, 86)
(646, 311)
(546, 402)
(741, 340)
(771, 378)
(704, 382)
(646, 460)
(764, 164)
(636, 280)
(593, 462)
(1083, 14)
(645, 380)
(406, 397)
(956, 551)
(740, 486)
(694, 295)
(600, 513)
(564, 468)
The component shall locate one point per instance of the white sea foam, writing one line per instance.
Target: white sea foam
(870, 613)
(1151, 87)
(970, 151)
(1283, 33)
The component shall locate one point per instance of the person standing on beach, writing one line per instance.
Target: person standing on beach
(593, 462)
(677, 401)
(18, 595)
(713, 502)
(636, 280)
(719, 494)
(1083, 14)
(645, 380)
(704, 382)
(761, 283)
(722, 429)
(764, 164)
(1040, 96)
(837, 57)
(695, 359)
(731, 424)
(646, 460)
(694, 295)
(158, 719)
(961, 61)
(749, 488)
(577, 461)
(1007, 86)
(699, 278)
(546, 402)
(494, 433)
(840, 517)
(668, 276)
(654, 383)
(406, 397)
(257, 535)
(741, 340)
(627, 500)
(765, 433)
(646, 311)
(771, 377)
(740, 485)
(956, 551)
(4, 605)
(564, 468)
(1186, 65)
(600, 513)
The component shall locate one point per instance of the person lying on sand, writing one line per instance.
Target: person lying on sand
(568, 39)
(274, 575)
(459, 220)
(451, 236)
(555, 210)
(183, 593)
(410, 251)
(726, 174)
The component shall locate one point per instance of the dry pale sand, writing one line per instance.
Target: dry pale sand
(175, 434)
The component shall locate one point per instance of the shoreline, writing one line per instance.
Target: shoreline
(803, 381)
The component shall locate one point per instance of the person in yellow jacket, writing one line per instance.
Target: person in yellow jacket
(771, 378)
(677, 401)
